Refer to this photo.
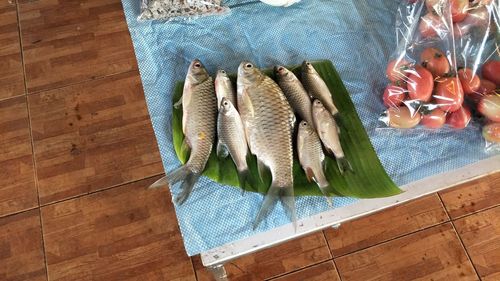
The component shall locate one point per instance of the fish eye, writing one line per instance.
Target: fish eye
(281, 68)
(304, 123)
(308, 63)
(197, 65)
(248, 65)
(223, 71)
(225, 103)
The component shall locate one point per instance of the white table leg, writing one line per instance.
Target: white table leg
(219, 272)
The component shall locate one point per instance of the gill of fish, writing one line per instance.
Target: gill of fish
(268, 120)
(295, 93)
(198, 125)
(224, 88)
(311, 157)
(317, 88)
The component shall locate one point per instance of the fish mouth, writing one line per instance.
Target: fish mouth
(279, 69)
(196, 63)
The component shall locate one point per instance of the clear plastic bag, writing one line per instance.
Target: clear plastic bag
(168, 10)
(441, 45)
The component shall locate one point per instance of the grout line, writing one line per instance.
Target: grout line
(35, 175)
(465, 250)
(98, 78)
(13, 97)
(331, 254)
(18, 212)
(194, 269)
(100, 190)
(296, 270)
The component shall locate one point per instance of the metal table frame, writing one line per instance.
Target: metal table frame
(215, 259)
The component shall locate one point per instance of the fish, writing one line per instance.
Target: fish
(199, 114)
(269, 121)
(329, 132)
(224, 88)
(295, 93)
(232, 140)
(312, 158)
(317, 88)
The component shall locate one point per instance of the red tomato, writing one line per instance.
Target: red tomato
(491, 71)
(435, 61)
(479, 16)
(470, 82)
(489, 106)
(449, 94)
(491, 132)
(485, 87)
(401, 117)
(397, 70)
(460, 118)
(420, 84)
(430, 26)
(393, 96)
(435, 119)
(459, 9)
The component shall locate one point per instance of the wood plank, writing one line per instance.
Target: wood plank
(66, 42)
(21, 252)
(430, 254)
(387, 224)
(17, 178)
(320, 272)
(480, 234)
(91, 136)
(124, 233)
(11, 69)
(268, 263)
(472, 196)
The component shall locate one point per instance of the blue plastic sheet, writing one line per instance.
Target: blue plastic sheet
(357, 36)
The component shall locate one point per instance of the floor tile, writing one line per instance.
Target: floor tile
(382, 226)
(17, 178)
(11, 69)
(472, 196)
(66, 42)
(268, 263)
(91, 136)
(480, 234)
(321, 272)
(21, 250)
(431, 254)
(124, 233)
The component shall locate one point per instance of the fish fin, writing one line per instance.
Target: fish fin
(309, 174)
(178, 103)
(186, 188)
(285, 194)
(261, 167)
(159, 183)
(185, 145)
(244, 178)
(222, 151)
(344, 164)
(326, 193)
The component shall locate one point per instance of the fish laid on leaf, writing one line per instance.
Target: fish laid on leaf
(328, 132)
(232, 139)
(268, 120)
(224, 88)
(295, 93)
(317, 88)
(199, 113)
(312, 158)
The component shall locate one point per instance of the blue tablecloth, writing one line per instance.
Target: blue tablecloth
(357, 36)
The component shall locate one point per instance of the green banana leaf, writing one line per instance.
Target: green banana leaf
(367, 180)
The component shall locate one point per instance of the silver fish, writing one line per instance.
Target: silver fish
(295, 93)
(224, 88)
(199, 113)
(232, 138)
(316, 87)
(268, 120)
(328, 132)
(311, 157)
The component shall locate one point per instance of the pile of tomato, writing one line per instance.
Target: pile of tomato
(431, 92)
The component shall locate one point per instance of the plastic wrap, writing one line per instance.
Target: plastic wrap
(352, 34)
(179, 9)
(441, 44)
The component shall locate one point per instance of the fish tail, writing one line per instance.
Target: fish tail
(285, 195)
(159, 183)
(344, 164)
(324, 189)
(246, 180)
(182, 174)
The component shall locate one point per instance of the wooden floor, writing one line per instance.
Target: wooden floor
(77, 152)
